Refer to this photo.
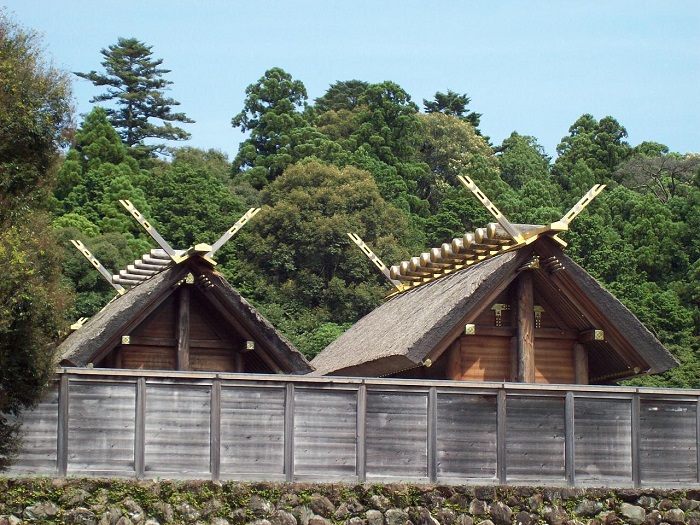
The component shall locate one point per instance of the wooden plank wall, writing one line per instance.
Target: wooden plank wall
(289, 428)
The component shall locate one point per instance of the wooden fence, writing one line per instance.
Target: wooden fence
(301, 428)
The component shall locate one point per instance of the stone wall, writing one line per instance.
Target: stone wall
(125, 502)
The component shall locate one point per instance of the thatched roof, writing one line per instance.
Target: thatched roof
(104, 331)
(420, 323)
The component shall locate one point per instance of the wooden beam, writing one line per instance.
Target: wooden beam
(183, 330)
(526, 328)
(580, 364)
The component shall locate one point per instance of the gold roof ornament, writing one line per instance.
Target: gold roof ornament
(471, 248)
(158, 259)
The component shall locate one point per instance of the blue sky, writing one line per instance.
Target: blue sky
(529, 66)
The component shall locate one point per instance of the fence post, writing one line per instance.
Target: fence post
(62, 438)
(501, 437)
(697, 437)
(289, 432)
(361, 451)
(140, 429)
(215, 430)
(569, 433)
(432, 435)
(636, 467)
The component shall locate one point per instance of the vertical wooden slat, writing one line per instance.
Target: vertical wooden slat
(501, 437)
(289, 432)
(432, 435)
(580, 364)
(526, 329)
(697, 437)
(635, 431)
(570, 432)
(140, 429)
(361, 451)
(62, 438)
(215, 430)
(183, 330)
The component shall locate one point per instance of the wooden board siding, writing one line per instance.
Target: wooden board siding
(668, 440)
(252, 432)
(177, 430)
(485, 358)
(212, 359)
(466, 436)
(603, 444)
(101, 427)
(147, 357)
(38, 454)
(291, 428)
(535, 439)
(554, 361)
(397, 427)
(161, 323)
(325, 431)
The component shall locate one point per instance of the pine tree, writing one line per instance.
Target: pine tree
(135, 83)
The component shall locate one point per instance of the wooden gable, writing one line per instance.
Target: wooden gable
(531, 315)
(185, 318)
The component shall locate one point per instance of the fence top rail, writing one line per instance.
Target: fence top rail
(444, 386)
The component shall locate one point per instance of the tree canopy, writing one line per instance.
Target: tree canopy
(135, 83)
(35, 115)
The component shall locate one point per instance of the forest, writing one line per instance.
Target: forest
(363, 158)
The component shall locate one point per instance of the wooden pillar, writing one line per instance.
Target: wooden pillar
(580, 364)
(513, 358)
(238, 362)
(526, 329)
(183, 330)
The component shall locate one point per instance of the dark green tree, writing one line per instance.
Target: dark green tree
(35, 112)
(271, 114)
(521, 159)
(135, 82)
(296, 261)
(449, 146)
(599, 145)
(343, 95)
(454, 104)
(96, 174)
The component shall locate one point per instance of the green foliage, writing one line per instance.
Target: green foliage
(271, 115)
(454, 104)
(522, 159)
(190, 203)
(34, 115)
(341, 96)
(599, 145)
(449, 146)
(97, 173)
(299, 264)
(135, 82)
